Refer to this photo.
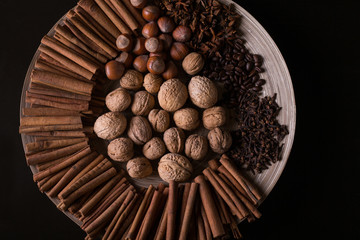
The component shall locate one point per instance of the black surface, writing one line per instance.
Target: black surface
(317, 197)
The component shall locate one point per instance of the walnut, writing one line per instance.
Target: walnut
(193, 63)
(219, 141)
(159, 119)
(172, 95)
(132, 80)
(154, 148)
(143, 103)
(174, 139)
(110, 125)
(139, 167)
(121, 149)
(139, 130)
(187, 119)
(196, 147)
(152, 83)
(203, 92)
(118, 100)
(214, 117)
(174, 166)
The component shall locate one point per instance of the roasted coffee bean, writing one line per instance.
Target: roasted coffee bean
(249, 66)
(260, 82)
(257, 58)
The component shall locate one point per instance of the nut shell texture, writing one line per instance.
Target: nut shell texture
(220, 141)
(203, 92)
(139, 167)
(154, 149)
(110, 125)
(187, 118)
(174, 166)
(118, 100)
(159, 120)
(214, 117)
(196, 147)
(143, 103)
(152, 83)
(132, 80)
(172, 95)
(139, 130)
(121, 149)
(193, 63)
(174, 139)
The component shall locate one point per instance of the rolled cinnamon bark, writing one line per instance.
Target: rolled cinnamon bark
(184, 202)
(93, 10)
(45, 145)
(161, 230)
(59, 134)
(42, 166)
(48, 103)
(55, 154)
(59, 120)
(223, 208)
(47, 185)
(84, 105)
(47, 111)
(125, 14)
(188, 211)
(140, 213)
(206, 223)
(201, 235)
(211, 210)
(172, 208)
(67, 162)
(49, 128)
(61, 82)
(123, 28)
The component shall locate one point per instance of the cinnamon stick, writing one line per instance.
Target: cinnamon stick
(61, 82)
(46, 111)
(93, 10)
(123, 28)
(73, 208)
(45, 145)
(40, 121)
(55, 154)
(82, 105)
(42, 166)
(223, 208)
(201, 235)
(60, 134)
(125, 14)
(49, 128)
(188, 211)
(161, 230)
(206, 220)
(216, 226)
(172, 208)
(67, 162)
(52, 180)
(135, 12)
(184, 202)
(54, 104)
(75, 169)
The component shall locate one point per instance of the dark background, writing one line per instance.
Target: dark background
(317, 195)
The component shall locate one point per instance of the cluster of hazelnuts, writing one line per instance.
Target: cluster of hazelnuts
(161, 43)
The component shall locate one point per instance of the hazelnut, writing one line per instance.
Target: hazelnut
(178, 51)
(156, 65)
(143, 103)
(151, 13)
(125, 58)
(139, 167)
(159, 120)
(139, 48)
(193, 63)
(166, 24)
(171, 71)
(140, 63)
(167, 40)
(196, 147)
(150, 29)
(172, 95)
(110, 125)
(187, 119)
(152, 83)
(153, 44)
(219, 141)
(154, 148)
(139, 130)
(182, 33)
(203, 92)
(124, 42)
(174, 139)
(114, 70)
(138, 3)
(121, 149)
(175, 167)
(214, 117)
(131, 80)
(163, 55)
(118, 100)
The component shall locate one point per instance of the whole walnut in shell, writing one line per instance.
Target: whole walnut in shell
(121, 149)
(110, 125)
(193, 63)
(118, 100)
(187, 118)
(139, 130)
(220, 141)
(159, 120)
(174, 139)
(139, 167)
(196, 147)
(152, 83)
(214, 117)
(143, 103)
(172, 95)
(203, 92)
(154, 148)
(132, 80)
(175, 167)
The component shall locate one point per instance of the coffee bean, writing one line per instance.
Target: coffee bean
(249, 66)
(260, 82)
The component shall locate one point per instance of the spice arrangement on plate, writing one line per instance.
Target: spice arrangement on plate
(181, 72)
